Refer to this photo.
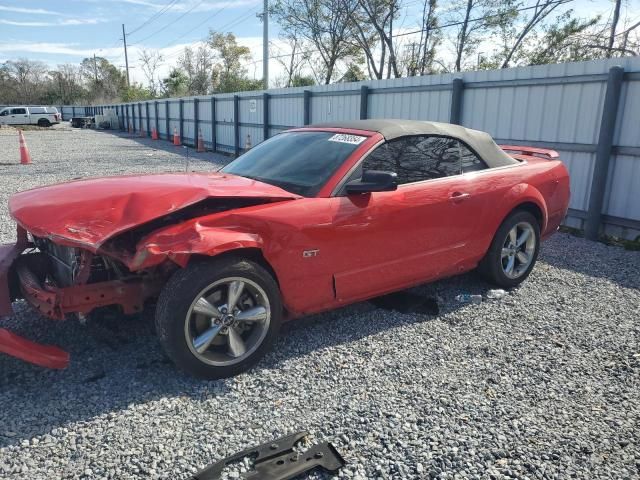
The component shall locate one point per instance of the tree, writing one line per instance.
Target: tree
(543, 8)
(374, 25)
(176, 84)
(326, 24)
(293, 63)
(229, 74)
(28, 78)
(151, 60)
(198, 66)
(66, 85)
(472, 19)
(104, 81)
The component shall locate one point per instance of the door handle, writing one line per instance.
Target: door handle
(457, 197)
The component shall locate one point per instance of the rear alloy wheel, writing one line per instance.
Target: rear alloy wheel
(44, 123)
(217, 318)
(513, 251)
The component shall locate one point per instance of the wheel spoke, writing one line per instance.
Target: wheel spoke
(513, 234)
(523, 258)
(205, 307)
(202, 341)
(510, 265)
(235, 290)
(524, 236)
(255, 314)
(237, 346)
(505, 253)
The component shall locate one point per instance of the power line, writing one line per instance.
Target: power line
(230, 24)
(170, 23)
(153, 17)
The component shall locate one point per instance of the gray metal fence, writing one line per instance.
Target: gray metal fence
(588, 111)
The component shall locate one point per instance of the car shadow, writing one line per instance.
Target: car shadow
(120, 363)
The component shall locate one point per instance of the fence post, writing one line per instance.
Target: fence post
(73, 111)
(156, 120)
(307, 107)
(146, 111)
(140, 116)
(213, 124)
(265, 116)
(166, 119)
(195, 122)
(364, 102)
(236, 125)
(457, 89)
(181, 119)
(603, 152)
(133, 117)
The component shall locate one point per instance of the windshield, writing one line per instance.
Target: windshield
(299, 162)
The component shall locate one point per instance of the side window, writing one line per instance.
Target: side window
(417, 158)
(19, 111)
(4, 113)
(470, 161)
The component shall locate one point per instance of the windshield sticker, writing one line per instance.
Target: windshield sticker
(344, 138)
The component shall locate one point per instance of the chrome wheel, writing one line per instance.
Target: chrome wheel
(227, 321)
(518, 250)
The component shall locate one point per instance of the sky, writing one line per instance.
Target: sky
(66, 31)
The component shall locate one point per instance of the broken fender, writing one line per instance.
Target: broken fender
(179, 242)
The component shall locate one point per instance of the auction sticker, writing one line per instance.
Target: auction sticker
(345, 138)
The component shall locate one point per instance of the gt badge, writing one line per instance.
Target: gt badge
(310, 253)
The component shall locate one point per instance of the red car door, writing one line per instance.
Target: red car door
(388, 240)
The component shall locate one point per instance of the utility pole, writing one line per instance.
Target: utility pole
(126, 58)
(265, 44)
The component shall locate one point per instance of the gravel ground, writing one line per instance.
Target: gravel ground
(544, 383)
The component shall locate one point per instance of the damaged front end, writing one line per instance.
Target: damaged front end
(58, 281)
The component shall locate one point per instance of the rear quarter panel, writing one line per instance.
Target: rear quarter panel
(544, 183)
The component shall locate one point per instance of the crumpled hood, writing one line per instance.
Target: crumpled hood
(88, 212)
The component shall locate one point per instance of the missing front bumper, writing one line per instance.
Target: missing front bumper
(22, 276)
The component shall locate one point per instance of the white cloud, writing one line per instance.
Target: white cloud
(33, 11)
(193, 5)
(61, 23)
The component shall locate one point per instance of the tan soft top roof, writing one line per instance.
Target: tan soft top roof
(480, 142)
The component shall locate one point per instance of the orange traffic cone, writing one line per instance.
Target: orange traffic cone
(25, 156)
(176, 137)
(154, 134)
(200, 142)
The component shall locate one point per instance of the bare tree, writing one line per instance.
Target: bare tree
(293, 62)
(151, 61)
(614, 24)
(373, 26)
(326, 24)
(471, 19)
(543, 8)
(28, 77)
(198, 66)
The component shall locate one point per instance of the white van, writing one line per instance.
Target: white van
(41, 116)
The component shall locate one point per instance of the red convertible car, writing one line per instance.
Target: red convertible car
(309, 220)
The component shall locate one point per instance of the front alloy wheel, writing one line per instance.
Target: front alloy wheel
(218, 317)
(227, 321)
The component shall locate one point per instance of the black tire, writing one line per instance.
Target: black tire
(44, 123)
(183, 289)
(491, 266)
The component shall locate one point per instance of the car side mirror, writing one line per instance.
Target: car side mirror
(374, 181)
